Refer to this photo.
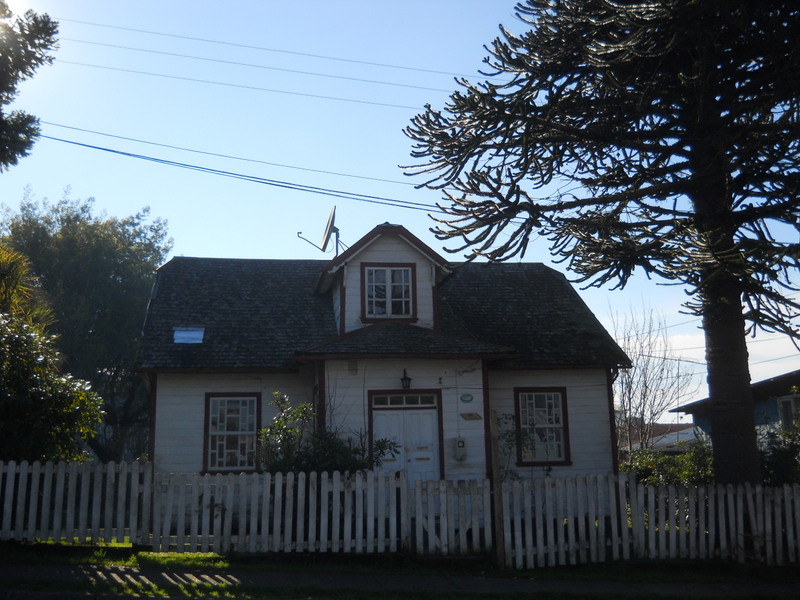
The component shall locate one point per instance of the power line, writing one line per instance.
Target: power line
(255, 66)
(264, 49)
(227, 156)
(381, 200)
(240, 86)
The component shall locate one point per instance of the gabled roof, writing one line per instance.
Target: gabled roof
(329, 271)
(259, 315)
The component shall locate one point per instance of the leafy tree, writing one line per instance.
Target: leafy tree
(97, 272)
(655, 383)
(44, 415)
(661, 137)
(25, 45)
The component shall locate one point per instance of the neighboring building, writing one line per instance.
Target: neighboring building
(670, 438)
(775, 405)
(387, 340)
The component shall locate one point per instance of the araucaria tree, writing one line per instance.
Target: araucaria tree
(660, 136)
(25, 44)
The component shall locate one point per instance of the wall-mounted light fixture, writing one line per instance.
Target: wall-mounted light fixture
(405, 381)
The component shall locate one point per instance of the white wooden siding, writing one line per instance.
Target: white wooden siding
(388, 250)
(180, 410)
(591, 449)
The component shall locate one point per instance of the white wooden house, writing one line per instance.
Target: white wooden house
(478, 344)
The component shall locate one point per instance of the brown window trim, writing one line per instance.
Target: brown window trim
(206, 428)
(365, 318)
(567, 460)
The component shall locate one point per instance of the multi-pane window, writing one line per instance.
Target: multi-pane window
(232, 432)
(542, 430)
(388, 291)
(404, 400)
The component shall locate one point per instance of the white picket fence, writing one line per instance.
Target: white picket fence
(540, 523)
(316, 512)
(597, 518)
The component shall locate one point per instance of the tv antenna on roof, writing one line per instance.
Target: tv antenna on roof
(330, 230)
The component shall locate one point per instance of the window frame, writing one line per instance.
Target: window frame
(366, 316)
(793, 402)
(209, 399)
(564, 426)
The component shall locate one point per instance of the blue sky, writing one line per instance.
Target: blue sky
(313, 93)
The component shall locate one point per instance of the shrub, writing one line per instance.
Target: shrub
(692, 467)
(780, 457)
(291, 444)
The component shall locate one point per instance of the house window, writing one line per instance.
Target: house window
(404, 400)
(232, 424)
(541, 425)
(789, 407)
(388, 291)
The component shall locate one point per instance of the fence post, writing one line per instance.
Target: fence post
(498, 516)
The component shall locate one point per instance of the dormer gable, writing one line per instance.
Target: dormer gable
(388, 275)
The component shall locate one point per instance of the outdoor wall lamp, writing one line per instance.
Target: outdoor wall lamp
(405, 381)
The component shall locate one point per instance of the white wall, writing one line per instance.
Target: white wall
(591, 448)
(180, 410)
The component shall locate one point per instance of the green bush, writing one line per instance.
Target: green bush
(291, 444)
(780, 457)
(692, 467)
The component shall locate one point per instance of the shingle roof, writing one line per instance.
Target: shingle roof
(529, 307)
(387, 340)
(264, 314)
(255, 313)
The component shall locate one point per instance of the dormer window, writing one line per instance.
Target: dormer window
(388, 291)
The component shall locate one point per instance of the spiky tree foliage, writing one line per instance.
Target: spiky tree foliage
(659, 136)
(25, 44)
(20, 293)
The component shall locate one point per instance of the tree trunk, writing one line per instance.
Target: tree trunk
(733, 432)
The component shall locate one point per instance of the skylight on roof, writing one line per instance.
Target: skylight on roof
(188, 335)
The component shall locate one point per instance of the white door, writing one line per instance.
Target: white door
(416, 433)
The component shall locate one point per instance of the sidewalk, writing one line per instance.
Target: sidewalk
(18, 582)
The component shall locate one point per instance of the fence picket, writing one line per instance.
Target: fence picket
(33, 502)
(324, 501)
(791, 526)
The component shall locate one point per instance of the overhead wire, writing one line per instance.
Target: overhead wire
(240, 86)
(264, 49)
(261, 180)
(256, 66)
(227, 156)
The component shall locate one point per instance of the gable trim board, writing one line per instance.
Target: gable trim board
(476, 332)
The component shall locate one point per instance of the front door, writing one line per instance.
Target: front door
(412, 422)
